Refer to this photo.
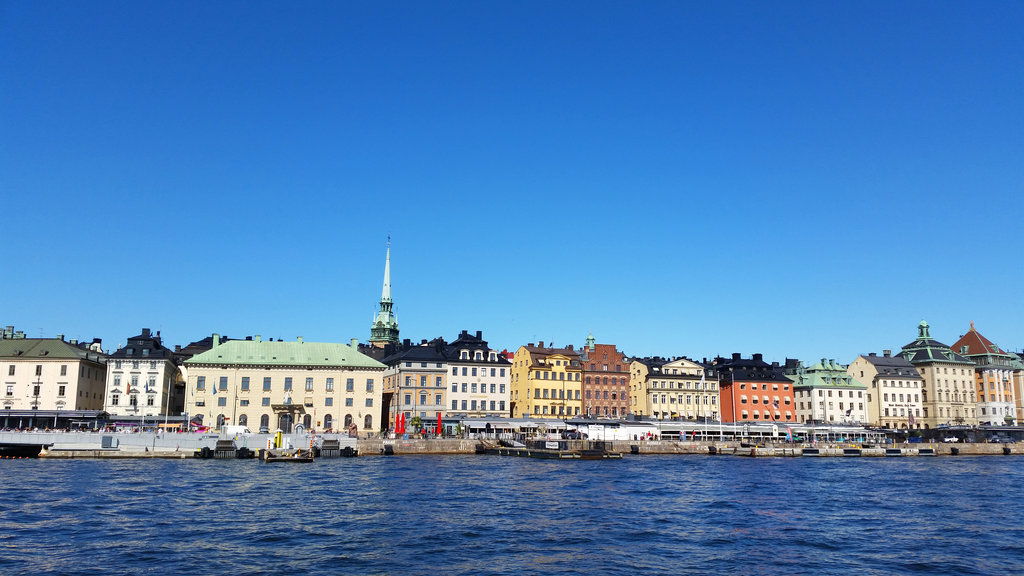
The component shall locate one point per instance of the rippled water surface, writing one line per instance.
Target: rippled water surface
(492, 515)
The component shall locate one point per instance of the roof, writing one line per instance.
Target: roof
(145, 345)
(892, 366)
(925, 349)
(753, 369)
(974, 344)
(825, 374)
(279, 353)
(47, 349)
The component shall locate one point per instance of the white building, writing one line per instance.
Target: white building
(478, 378)
(825, 393)
(141, 377)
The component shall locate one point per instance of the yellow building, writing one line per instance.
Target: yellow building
(546, 382)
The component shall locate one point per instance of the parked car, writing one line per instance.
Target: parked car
(951, 439)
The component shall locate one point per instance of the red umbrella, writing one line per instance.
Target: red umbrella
(438, 423)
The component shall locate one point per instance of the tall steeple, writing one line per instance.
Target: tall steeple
(385, 328)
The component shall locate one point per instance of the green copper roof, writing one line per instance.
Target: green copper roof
(46, 349)
(825, 374)
(284, 354)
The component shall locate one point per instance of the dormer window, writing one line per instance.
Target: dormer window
(464, 355)
(479, 355)
(145, 351)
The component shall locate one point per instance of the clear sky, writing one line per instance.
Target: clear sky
(801, 179)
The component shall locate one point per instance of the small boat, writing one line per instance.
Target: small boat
(287, 455)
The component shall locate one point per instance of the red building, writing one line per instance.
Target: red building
(605, 380)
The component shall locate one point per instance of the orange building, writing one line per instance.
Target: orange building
(754, 391)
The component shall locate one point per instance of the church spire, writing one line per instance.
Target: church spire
(384, 330)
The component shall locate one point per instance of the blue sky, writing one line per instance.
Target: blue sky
(798, 179)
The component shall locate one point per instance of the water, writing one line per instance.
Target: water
(491, 515)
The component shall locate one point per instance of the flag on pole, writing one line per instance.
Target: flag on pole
(789, 434)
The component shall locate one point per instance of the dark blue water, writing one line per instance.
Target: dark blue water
(492, 515)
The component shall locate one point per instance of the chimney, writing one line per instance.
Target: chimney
(216, 340)
(872, 354)
(300, 339)
(887, 353)
(145, 332)
(758, 357)
(354, 343)
(540, 343)
(569, 347)
(464, 333)
(479, 334)
(735, 355)
(177, 347)
(60, 337)
(258, 338)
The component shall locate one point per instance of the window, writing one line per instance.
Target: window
(472, 405)
(60, 390)
(201, 383)
(10, 370)
(369, 384)
(455, 369)
(223, 383)
(437, 399)
(350, 385)
(265, 401)
(455, 387)
(115, 399)
(465, 403)
(455, 404)
(39, 369)
(309, 384)
(348, 402)
(288, 384)
(474, 371)
(423, 380)
(266, 384)
(117, 380)
(245, 383)
(243, 402)
(437, 381)
(222, 401)
(63, 370)
(330, 384)
(328, 401)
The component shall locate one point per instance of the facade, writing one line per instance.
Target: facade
(478, 378)
(49, 374)
(280, 385)
(384, 330)
(755, 391)
(826, 393)
(546, 382)
(605, 383)
(948, 395)
(415, 384)
(672, 389)
(142, 378)
(995, 373)
(894, 390)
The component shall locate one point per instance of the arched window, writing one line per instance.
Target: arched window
(327, 422)
(220, 420)
(348, 421)
(307, 421)
(243, 420)
(368, 422)
(265, 420)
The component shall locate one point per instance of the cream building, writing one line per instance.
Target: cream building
(44, 375)
(257, 383)
(676, 389)
(893, 390)
(546, 382)
(948, 395)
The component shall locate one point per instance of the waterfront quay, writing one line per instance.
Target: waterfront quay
(187, 445)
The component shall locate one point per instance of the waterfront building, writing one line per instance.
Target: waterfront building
(141, 379)
(278, 385)
(947, 394)
(605, 380)
(478, 378)
(1018, 385)
(44, 376)
(384, 330)
(826, 393)
(994, 375)
(894, 390)
(415, 384)
(546, 382)
(672, 389)
(754, 391)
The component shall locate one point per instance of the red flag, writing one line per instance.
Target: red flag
(438, 423)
